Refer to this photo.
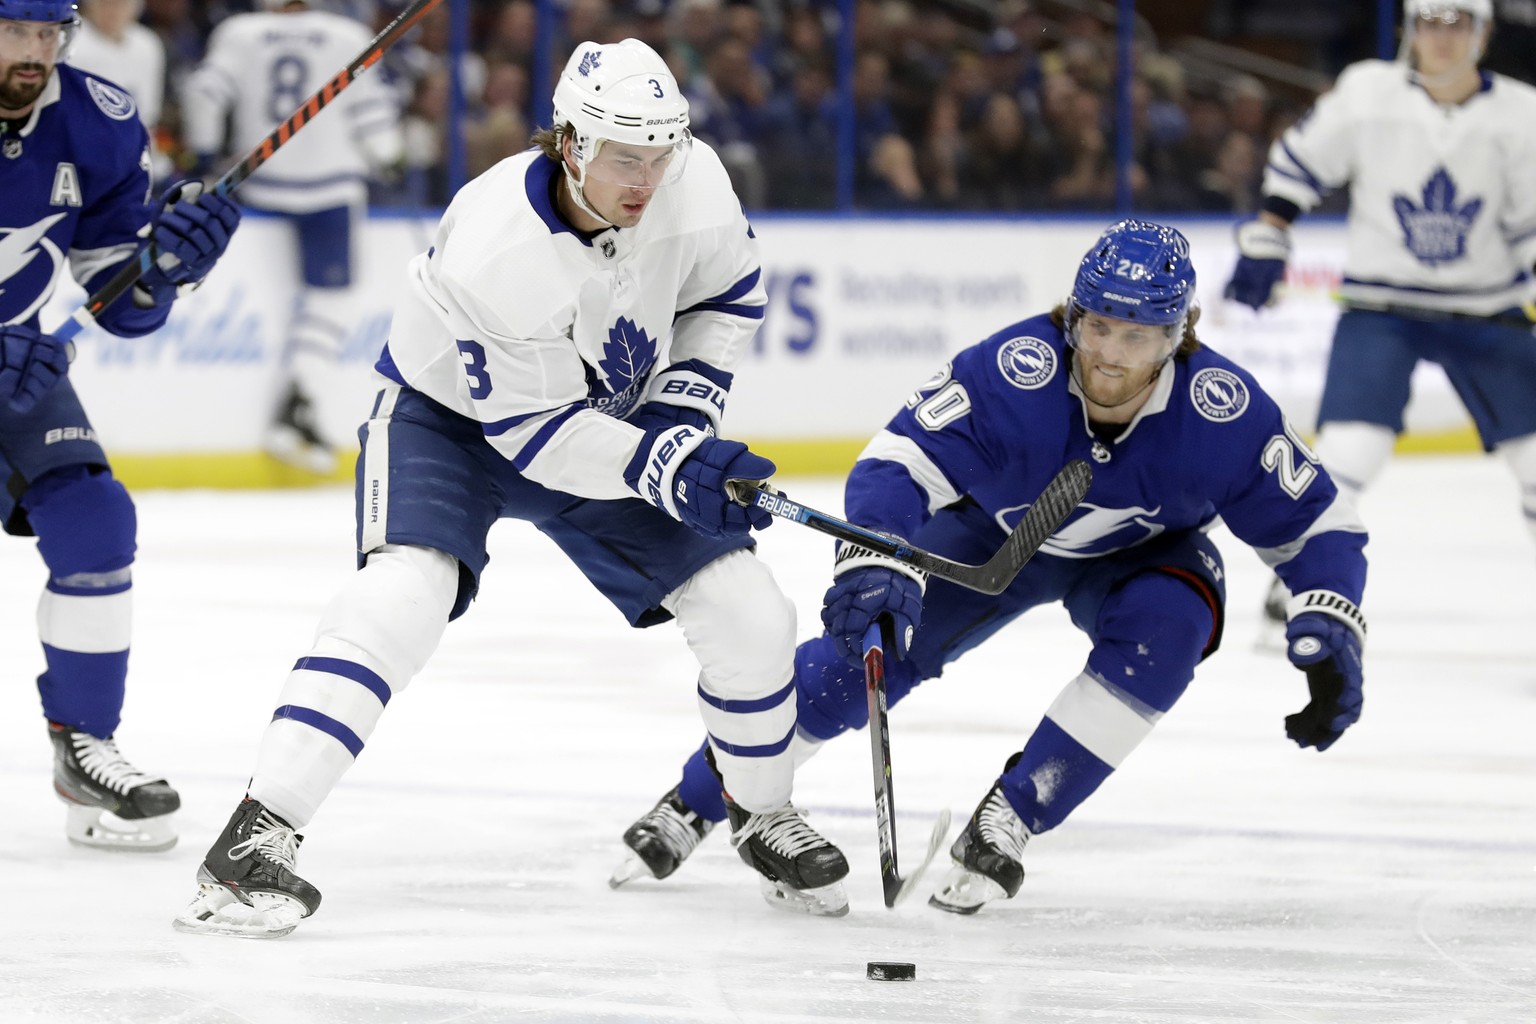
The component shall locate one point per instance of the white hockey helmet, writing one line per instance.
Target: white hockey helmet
(623, 93)
(1415, 9)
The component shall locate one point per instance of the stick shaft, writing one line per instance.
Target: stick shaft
(133, 269)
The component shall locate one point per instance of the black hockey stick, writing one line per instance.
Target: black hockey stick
(135, 268)
(895, 887)
(1048, 512)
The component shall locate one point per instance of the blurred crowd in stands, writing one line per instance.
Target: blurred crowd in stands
(969, 105)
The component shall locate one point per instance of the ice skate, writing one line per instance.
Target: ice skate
(987, 858)
(295, 438)
(246, 886)
(112, 805)
(800, 870)
(661, 840)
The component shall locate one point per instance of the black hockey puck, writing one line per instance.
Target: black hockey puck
(880, 970)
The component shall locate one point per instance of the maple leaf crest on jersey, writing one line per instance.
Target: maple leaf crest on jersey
(1437, 231)
(626, 365)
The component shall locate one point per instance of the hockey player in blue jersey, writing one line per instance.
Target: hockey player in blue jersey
(74, 174)
(1177, 436)
(1438, 159)
(562, 354)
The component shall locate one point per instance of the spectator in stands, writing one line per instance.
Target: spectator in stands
(800, 132)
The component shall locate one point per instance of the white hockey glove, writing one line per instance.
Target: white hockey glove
(1263, 251)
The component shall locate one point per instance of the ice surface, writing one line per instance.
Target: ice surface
(1222, 875)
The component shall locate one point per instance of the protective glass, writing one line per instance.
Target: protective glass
(1122, 342)
(1445, 17)
(631, 166)
(39, 42)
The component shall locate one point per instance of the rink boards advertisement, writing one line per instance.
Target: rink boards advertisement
(860, 312)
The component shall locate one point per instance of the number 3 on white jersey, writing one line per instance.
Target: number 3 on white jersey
(1280, 458)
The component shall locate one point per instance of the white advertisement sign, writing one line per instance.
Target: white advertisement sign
(860, 312)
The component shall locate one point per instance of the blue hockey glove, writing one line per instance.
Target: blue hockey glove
(865, 586)
(1328, 651)
(1263, 249)
(686, 473)
(191, 232)
(31, 363)
(690, 393)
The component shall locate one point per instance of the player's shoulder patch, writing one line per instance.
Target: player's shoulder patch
(114, 102)
(1027, 362)
(1218, 394)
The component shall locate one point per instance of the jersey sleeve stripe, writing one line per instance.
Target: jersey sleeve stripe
(740, 288)
(732, 309)
(904, 452)
(531, 450)
(1301, 168)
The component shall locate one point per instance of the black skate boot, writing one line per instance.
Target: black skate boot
(247, 886)
(987, 857)
(112, 805)
(294, 436)
(800, 870)
(661, 840)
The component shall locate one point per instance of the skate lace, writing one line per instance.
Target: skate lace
(270, 839)
(103, 762)
(1000, 826)
(674, 829)
(784, 831)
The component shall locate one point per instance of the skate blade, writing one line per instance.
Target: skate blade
(935, 844)
(825, 901)
(99, 829)
(216, 911)
(632, 868)
(964, 892)
(286, 445)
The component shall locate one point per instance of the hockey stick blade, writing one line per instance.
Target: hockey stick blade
(1048, 512)
(130, 272)
(936, 839)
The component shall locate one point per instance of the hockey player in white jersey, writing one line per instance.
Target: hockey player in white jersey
(562, 355)
(258, 69)
(1440, 161)
(1177, 436)
(112, 44)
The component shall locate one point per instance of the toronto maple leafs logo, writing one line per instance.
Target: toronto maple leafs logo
(628, 357)
(589, 62)
(1437, 231)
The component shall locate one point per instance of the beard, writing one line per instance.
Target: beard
(16, 95)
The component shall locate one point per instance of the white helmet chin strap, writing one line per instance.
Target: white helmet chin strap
(576, 186)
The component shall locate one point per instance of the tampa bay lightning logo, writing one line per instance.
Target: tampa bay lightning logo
(1026, 363)
(1436, 232)
(1219, 395)
(26, 280)
(627, 359)
(589, 62)
(1094, 530)
(115, 103)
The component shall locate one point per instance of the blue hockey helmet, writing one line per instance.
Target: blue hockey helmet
(60, 12)
(1136, 271)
